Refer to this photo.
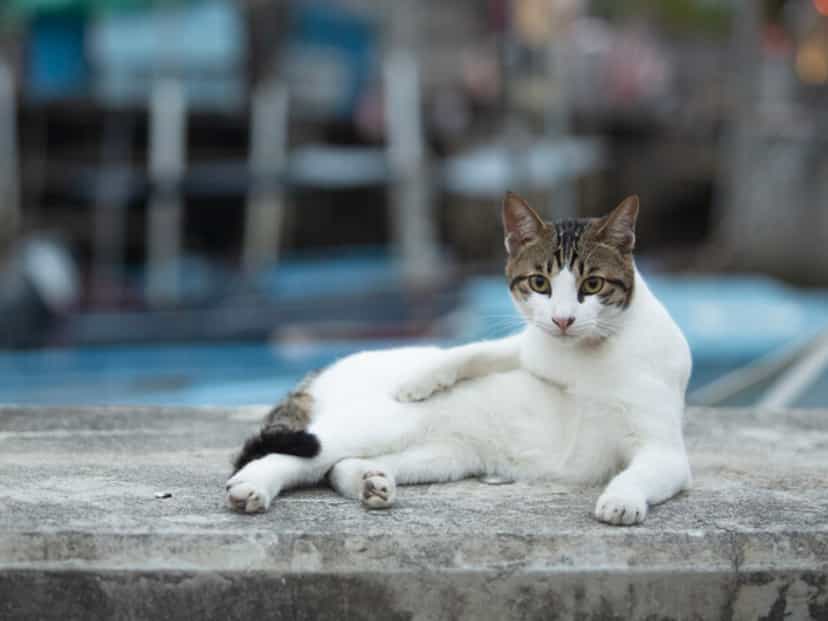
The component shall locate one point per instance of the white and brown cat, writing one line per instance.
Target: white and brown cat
(592, 390)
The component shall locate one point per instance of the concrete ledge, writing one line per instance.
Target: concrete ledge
(82, 535)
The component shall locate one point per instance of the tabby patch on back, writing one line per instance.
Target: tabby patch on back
(572, 278)
(284, 429)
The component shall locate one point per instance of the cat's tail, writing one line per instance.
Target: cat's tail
(284, 431)
(270, 440)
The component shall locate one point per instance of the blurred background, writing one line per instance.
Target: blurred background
(201, 200)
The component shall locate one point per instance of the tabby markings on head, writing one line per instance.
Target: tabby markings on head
(576, 245)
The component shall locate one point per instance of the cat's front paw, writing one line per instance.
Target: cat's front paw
(423, 387)
(378, 491)
(246, 497)
(621, 508)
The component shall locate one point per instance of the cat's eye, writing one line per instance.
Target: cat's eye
(592, 285)
(540, 284)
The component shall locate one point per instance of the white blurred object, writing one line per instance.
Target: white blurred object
(49, 268)
(793, 382)
(414, 234)
(488, 171)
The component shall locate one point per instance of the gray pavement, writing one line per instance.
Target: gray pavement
(83, 535)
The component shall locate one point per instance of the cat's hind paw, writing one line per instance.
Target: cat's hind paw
(621, 509)
(421, 388)
(378, 490)
(246, 497)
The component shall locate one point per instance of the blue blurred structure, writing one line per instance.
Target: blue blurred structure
(74, 51)
(331, 54)
(203, 44)
(349, 99)
(57, 64)
(360, 271)
(729, 322)
(228, 374)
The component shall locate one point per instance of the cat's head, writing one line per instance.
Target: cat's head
(573, 278)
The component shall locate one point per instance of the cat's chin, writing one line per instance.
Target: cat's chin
(570, 338)
(557, 334)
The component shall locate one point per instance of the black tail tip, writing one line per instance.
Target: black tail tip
(296, 443)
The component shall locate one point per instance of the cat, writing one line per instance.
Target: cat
(592, 390)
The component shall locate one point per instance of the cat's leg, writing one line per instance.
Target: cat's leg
(334, 437)
(373, 481)
(253, 487)
(364, 480)
(654, 474)
(449, 366)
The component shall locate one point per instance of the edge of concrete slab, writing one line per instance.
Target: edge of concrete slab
(82, 537)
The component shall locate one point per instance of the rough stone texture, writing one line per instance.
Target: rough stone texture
(82, 535)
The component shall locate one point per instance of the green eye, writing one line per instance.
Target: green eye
(592, 285)
(539, 283)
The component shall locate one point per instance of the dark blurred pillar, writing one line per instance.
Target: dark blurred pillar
(9, 170)
(268, 22)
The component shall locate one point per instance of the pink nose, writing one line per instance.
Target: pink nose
(563, 322)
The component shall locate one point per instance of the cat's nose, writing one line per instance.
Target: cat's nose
(563, 322)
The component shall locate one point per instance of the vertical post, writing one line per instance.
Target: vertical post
(738, 143)
(563, 198)
(9, 171)
(268, 157)
(413, 229)
(412, 220)
(168, 132)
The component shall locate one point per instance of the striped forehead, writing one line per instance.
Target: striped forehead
(568, 235)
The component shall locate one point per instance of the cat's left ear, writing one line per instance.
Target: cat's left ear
(618, 227)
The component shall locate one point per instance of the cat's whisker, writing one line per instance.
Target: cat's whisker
(512, 314)
(374, 420)
(516, 320)
(501, 331)
(505, 319)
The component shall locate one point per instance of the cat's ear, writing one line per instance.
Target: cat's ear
(618, 227)
(521, 224)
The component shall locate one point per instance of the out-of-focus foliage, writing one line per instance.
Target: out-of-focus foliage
(24, 8)
(678, 16)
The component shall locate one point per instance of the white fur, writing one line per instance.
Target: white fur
(536, 405)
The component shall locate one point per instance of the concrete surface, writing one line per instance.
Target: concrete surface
(83, 536)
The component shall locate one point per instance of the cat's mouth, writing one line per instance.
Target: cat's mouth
(556, 331)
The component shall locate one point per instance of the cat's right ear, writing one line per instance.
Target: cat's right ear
(521, 225)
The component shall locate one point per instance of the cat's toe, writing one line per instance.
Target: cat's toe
(414, 391)
(247, 498)
(621, 509)
(422, 388)
(378, 491)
